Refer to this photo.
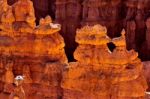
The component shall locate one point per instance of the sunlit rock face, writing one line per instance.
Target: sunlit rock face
(132, 15)
(147, 72)
(100, 73)
(36, 52)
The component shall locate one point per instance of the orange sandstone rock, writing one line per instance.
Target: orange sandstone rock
(37, 53)
(9, 76)
(6, 16)
(24, 12)
(100, 72)
(18, 91)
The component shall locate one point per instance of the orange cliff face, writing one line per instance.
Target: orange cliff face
(26, 40)
(37, 53)
(100, 73)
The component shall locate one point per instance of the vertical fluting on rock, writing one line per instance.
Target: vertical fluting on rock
(68, 14)
(148, 33)
(100, 73)
(103, 12)
(41, 8)
(91, 11)
(137, 12)
(114, 14)
(130, 34)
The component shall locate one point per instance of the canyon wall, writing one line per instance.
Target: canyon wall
(133, 15)
(36, 51)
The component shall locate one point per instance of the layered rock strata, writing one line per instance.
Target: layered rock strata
(36, 52)
(132, 15)
(100, 73)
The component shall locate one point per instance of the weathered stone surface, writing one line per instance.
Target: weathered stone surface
(114, 14)
(99, 72)
(148, 32)
(130, 35)
(147, 72)
(35, 52)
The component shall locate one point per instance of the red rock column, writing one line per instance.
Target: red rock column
(41, 8)
(148, 33)
(68, 15)
(141, 29)
(130, 35)
(99, 12)
(90, 12)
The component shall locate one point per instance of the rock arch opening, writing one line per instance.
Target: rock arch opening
(111, 46)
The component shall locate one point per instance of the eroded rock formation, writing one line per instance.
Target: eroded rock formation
(100, 73)
(36, 52)
(18, 92)
(114, 14)
(68, 13)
